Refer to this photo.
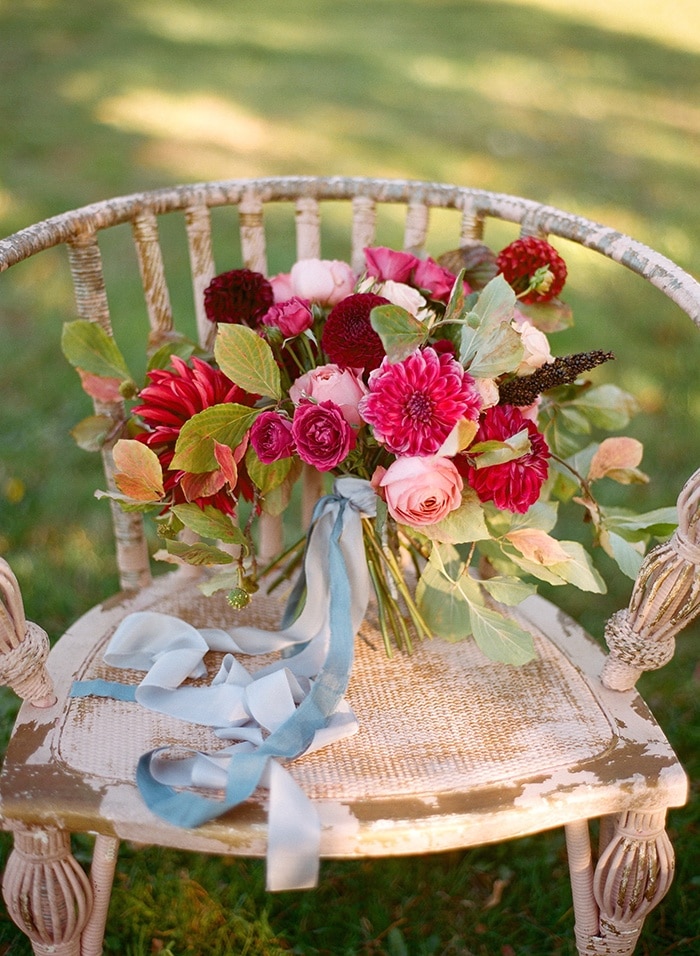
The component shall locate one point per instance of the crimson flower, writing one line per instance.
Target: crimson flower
(520, 261)
(348, 338)
(171, 399)
(240, 295)
(413, 405)
(513, 485)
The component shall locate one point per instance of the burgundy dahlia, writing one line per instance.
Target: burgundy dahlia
(514, 485)
(240, 296)
(348, 338)
(519, 262)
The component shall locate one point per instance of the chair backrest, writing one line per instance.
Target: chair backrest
(309, 197)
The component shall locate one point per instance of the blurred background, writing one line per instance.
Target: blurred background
(589, 105)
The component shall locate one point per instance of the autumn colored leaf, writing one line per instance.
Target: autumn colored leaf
(537, 546)
(139, 475)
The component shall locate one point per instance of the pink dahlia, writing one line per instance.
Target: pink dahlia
(520, 261)
(240, 295)
(516, 484)
(413, 405)
(348, 338)
(172, 398)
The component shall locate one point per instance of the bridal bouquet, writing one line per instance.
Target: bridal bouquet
(431, 381)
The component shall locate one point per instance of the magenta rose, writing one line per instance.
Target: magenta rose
(271, 437)
(435, 280)
(324, 281)
(386, 264)
(291, 317)
(421, 491)
(330, 383)
(323, 437)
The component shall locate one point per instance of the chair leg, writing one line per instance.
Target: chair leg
(633, 874)
(47, 893)
(104, 861)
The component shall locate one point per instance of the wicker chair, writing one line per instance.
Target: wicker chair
(586, 746)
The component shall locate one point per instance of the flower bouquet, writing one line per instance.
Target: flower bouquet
(428, 381)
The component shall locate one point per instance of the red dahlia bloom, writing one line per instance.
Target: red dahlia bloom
(413, 405)
(516, 484)
(519, 261)
(172, 398)
(348, 338)
(241, 296)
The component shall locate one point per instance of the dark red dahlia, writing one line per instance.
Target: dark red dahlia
(514, 485)
(348, 337)
(240, 296)
(519, 262)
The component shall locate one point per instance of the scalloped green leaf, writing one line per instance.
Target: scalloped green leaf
(87, 346)
(209, 522)
(401, 333)
(247, 360)
(226, 423)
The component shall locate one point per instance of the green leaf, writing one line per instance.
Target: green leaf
(489, 453)
(91, 433)
(401, 333)
(198, 553)
(223, 580)
(659, 523)
(493, 351)
(457, 303)
(443, 603)
(209, 522)
(496, 303)
(87, 346)
(247, 360)
(128, 504)
(508, 590)
(551, 316)
(579, 569)
(267, 477)
(227, 424)
(465, 524)
(626, 556)
(500, 638)
(606, 406)
(181, 346)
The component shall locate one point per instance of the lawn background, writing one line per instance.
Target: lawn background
(589, 105)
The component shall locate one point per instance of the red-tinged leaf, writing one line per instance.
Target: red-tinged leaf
(227, 463)
(139, 475)
(227, 424)
(202, 485)
(99, 387)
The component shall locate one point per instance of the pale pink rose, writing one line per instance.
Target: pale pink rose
(422, 490)
(398, 293)
(536, 346)
(384, 263)
(292, 317)
(282, 287)
(330, 383)
(324, 281)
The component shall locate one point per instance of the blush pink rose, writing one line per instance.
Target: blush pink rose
(322, 436)
(324, 281)
(431, 276)
(398, 293)
(271, 437)
(281, 287)
(386, 263)
(291, 317)
(421, 490)
(330, 383)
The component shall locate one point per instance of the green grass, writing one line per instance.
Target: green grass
(578, 103)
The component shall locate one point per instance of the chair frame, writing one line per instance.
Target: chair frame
(50, 897)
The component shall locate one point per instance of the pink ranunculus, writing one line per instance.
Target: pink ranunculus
(386, 263)
(436, 280)
(291, 317)
(324, 281)
(271, 437)
(330, 383)
(422, 491)
(322, 436)
(282, 287)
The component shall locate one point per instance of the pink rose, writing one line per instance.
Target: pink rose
(282, 287)
(434, 279)
(386, 263)
(271, 437)
(323, 437)
(325, 281)
(422, 491)
(291, 317)
(330, 383)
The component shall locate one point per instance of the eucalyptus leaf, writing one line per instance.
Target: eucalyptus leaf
(247, 360)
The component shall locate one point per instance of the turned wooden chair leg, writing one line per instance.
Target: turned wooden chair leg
(46, 891)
